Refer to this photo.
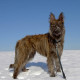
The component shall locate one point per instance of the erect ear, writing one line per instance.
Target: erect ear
(52, 17)
(61, 17)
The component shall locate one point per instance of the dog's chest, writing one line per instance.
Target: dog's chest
(53, 48)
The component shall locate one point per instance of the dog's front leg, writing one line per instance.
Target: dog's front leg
(50, 65)
(57, 65)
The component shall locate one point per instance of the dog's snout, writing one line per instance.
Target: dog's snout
(57, 29)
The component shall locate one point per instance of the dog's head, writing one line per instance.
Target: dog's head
(56, 26)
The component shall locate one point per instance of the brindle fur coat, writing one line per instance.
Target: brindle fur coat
(44, 44)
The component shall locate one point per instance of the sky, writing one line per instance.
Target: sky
(19, 18)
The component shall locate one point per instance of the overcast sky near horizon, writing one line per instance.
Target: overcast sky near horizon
(19, 18)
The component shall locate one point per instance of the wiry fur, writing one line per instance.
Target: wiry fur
(26, 48)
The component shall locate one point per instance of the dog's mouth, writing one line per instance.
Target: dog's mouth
(57, 33)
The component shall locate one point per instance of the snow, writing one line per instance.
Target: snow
(38, 68)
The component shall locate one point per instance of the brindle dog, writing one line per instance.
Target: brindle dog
(44, 44)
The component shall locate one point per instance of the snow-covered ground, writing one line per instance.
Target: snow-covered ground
(38, 68)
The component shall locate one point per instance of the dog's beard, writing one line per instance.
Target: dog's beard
(55, 36)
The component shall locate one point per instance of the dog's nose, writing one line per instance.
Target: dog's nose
(57, 29)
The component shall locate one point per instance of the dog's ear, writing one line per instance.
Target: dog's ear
(61, 17)
(52, 17)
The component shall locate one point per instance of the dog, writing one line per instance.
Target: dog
(45, 44)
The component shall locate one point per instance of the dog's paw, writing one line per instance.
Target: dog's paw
(52, 75)
(25, 70)
(58, 70)
(14, 76)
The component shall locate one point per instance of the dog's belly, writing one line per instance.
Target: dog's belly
(42, 51)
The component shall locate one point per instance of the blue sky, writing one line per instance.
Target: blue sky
(19, 18)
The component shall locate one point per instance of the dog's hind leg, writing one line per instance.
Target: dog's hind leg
(24, 69)
(20, 61)
(18, 67)
(30, 57)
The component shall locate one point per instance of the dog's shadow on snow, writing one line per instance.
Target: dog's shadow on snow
(38, 64)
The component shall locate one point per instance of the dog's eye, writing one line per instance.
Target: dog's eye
(60, 23)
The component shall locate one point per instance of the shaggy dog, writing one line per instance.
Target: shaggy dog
(45, 44)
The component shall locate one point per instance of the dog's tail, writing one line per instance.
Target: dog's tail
(11, 66)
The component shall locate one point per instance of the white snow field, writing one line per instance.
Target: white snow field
(38, 68)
